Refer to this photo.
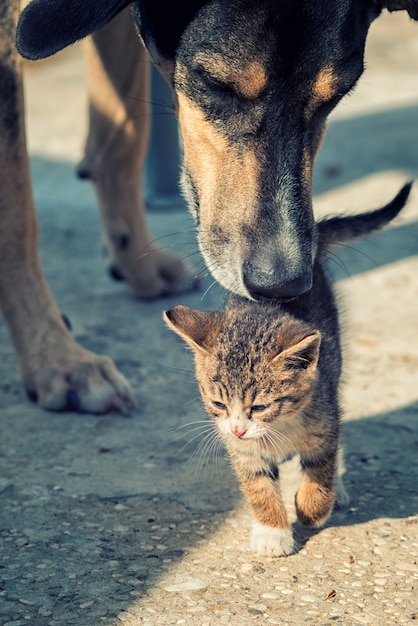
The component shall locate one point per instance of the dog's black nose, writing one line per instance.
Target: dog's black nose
(274, 284)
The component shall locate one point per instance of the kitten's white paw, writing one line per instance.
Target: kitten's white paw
(267, 541)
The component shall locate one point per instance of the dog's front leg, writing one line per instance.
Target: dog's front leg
(55, 369)
(118, 80)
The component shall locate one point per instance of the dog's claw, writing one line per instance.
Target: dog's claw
(73, 402)
(78, 381)
(32, 395)
(124, 405)
(67, 321)
(115, 273)
(153, 274)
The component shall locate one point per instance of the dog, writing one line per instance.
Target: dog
(254, 83)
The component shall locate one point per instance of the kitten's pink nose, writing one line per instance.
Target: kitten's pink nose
(239, 433)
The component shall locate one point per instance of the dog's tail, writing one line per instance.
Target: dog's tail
(345, 228)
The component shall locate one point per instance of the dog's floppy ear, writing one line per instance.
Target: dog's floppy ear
(47, 26)
(411, 6)
(160, 24)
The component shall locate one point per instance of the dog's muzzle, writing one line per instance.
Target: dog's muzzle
(275, 283)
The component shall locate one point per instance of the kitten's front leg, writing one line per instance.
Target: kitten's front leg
(271, 534)
(316, 496)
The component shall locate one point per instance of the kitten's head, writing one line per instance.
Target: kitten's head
(256, 370)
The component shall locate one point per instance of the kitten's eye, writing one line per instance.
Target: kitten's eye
(258, 408)
(219, 405)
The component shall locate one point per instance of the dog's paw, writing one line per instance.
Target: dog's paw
(150, 270)
(173, 273)
(267, 541)
(69, 378)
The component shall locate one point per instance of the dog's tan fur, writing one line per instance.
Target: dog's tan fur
(324, 86)
(117, 142)
(216, 164)
(252, 80)
(244, 116)
(55, 369)
(249, 80)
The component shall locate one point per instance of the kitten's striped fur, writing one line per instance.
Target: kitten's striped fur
(269, 375)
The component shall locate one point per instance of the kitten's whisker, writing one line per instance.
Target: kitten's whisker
(190, 441)
(216, 466)
(205, 452)
(219, 458)
(192, 430)
(172, 368)
(275, 442)
(195, 399)
(198, 425)
(277, 436)
(203, 441)
(204, 449)
(205, 421)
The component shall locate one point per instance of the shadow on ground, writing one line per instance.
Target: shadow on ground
(74, 547)
(368, 144)
(379, 455)
(94, 511)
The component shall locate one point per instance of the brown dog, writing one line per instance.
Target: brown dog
(255, 82)
(55, 369)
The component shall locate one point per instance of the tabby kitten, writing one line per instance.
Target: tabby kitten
(269, 374)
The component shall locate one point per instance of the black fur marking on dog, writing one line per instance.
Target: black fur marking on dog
(47, 26)
(255, 81)
(9, 85)
(115, 273)
(309, 57)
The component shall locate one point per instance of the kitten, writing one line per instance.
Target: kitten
(269, 374)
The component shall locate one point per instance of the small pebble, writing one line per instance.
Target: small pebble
(188, 585)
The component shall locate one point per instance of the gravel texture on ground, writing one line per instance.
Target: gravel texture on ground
(127, 521)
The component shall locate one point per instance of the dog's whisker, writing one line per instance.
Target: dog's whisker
(354, 249)
(207, 290)
(336, 259)
(152, 103)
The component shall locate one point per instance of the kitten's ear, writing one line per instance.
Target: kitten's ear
(198, 328)
(303, 355)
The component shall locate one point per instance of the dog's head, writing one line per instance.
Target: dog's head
(255, 82)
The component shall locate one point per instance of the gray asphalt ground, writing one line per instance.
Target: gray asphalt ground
(112, 520)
